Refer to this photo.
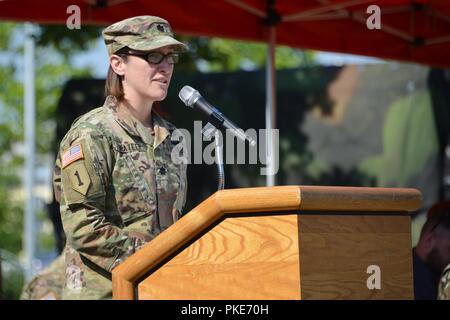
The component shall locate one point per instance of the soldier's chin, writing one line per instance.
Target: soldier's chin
(160, 95)
(156, 94)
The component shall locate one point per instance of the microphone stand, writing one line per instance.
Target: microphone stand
(209, 131)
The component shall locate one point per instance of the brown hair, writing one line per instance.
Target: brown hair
(113, 84)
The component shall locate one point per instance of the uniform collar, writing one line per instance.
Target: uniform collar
(154, 135)
(162, 129)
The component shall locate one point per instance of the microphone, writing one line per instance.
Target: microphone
(193, 99)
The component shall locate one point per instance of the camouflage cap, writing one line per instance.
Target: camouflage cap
(143, 33)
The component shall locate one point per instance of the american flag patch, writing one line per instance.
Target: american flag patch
(74, 153)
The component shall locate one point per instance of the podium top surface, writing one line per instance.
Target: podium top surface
(260, 199)
(317, 198)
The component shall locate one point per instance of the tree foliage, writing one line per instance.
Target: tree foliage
(220, 55)
(53, 68)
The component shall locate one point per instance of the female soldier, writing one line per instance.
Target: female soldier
(114, 177)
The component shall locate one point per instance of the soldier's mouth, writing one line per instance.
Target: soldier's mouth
(161, 80)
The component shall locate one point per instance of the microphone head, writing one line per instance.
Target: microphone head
(189, 96)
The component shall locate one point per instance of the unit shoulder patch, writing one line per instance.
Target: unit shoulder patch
(79, 177)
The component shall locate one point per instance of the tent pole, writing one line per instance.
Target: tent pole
(29, 122)
(270, 106)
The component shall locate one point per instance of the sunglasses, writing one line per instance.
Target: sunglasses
(157, 57)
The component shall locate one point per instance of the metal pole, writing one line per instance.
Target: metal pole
(29, 121)
(270, 106)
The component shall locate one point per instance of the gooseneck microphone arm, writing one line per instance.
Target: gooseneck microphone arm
(216, 120)
(193, 99)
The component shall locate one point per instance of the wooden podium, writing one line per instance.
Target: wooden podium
(287, 242)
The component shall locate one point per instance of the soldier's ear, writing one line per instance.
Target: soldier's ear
(117, 63)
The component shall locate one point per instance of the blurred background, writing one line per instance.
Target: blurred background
(344, 120)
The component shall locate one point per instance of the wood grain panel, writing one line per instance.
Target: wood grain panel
(243, 239)
(228, 281)
(359, 222)
(241, 258)
(125, 277)
(334, 258)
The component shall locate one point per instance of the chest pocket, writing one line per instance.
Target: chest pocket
(171, 180)
(134, 182)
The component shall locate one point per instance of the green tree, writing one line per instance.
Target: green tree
(219, 55)
(53, 68)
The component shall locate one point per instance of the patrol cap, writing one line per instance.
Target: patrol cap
(143, 33)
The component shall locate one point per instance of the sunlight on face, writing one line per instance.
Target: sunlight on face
(147, 80)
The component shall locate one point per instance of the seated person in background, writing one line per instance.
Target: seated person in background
(444, 284)
(432, 253)
(47, 284)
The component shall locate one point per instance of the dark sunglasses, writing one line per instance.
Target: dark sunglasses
(157, 57)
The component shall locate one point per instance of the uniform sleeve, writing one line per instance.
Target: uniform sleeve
(444, 285)
(85, 163)
(27, 290)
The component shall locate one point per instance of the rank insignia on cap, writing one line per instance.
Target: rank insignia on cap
(162, 28)
(74, 153)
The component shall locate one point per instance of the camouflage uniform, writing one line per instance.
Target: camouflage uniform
(444, 285)
(119, 192)
(116, 180)
(48, 284)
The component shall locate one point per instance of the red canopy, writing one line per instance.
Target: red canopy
(417, 31)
